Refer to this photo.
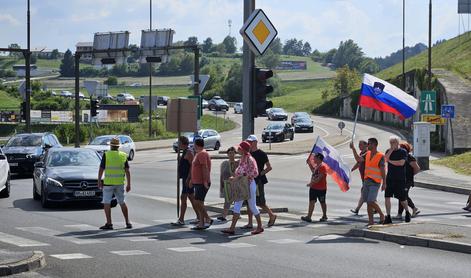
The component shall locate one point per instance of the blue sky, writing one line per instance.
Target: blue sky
(376, 25)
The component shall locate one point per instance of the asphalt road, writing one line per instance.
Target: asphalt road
(74, 246)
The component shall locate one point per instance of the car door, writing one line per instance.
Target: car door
(4, 168)
(124, 144)
(287, 131)
(38, 172)
(207, 140)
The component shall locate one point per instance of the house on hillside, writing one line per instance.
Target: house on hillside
(43, 52)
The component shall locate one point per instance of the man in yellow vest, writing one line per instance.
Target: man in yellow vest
(115, 165)
(374, 175)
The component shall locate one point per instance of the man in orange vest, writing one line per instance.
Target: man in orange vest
(375, 174)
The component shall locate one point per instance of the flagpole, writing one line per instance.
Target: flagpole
(310, 153)
(355, 124)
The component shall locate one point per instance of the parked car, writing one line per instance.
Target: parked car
(54, 94)
(108, 96)
(23, 150)
(4, 176)
(278, 132)
(297, 115)
(212, 139)
(66, 94)
(122, 97)
(81, 95)
(276, 114)
(137, 84)
(303, 125)
(204, 103)
(162, 100)
(217, 104)
(238, 108)
(101, 144)
(67, 174)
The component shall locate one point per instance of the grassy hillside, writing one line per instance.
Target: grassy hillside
(8, 102)
(453, 55)
(460, 163)
(301, 95)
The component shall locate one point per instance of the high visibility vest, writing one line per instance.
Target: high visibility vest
(114, 168)
(372, 168)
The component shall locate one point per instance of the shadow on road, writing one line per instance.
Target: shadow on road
(29, 204)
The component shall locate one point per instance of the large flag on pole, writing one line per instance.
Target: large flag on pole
(383, 96)
(336, 168)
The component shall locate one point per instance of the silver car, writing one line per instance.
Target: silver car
(4, 176)
(101, 144)
(212, 139)
(238, 108)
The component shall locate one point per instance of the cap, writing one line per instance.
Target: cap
(252, 138)
(114, 142)
(245, 146)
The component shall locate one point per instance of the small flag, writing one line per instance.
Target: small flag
(336, 168)
(383, 96)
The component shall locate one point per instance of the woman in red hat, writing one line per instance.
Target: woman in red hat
(247, 167)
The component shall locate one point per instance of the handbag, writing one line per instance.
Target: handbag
(237, 190)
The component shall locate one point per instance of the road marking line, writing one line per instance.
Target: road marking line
(139, 239)
(278, 229)
(72, 256)
(82, 227)
(329, 237)
(285, 241)
(167, 200)
(237, 245)
(20, 241)
(454, 203)
(56, 234)
(130, 253)
(186, 249)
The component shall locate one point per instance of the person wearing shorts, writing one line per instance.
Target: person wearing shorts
(200, 179)
(317, 187)
(115, 166)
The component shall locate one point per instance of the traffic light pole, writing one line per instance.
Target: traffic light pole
(247, 79)
(77, 99)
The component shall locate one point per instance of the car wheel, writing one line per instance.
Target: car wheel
(217, 146)
(44, 202)
(131, 155)
(36, 196)
(6, 191)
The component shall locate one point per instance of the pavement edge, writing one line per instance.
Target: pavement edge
(412, 240)
(36, 261)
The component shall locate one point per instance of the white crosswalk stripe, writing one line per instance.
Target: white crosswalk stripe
(19, 241)
(57, 234)
(130, 252)
(237, 245)
(186, 249)
(72, 256)
(285, 241)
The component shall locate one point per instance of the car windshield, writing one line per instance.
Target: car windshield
(102, 140)
(190, 134)
(275, 126)
(73, 158)
(25, 141)
(220, 101)
(301, 114)
(303, 120)
(277, 110)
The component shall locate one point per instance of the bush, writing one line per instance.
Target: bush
(111, 81)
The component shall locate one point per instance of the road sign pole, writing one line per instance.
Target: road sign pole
(247, 79)
(77, 100)
(196, 85)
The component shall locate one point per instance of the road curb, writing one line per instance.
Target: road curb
(446, 188)
(412, 240)
(36, 261)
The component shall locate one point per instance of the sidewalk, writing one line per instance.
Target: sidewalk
(17, 262)
(445, 179)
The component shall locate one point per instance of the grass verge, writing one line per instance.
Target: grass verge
(459, 163)
(301, 95)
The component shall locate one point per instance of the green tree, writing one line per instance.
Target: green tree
(368, 65)
(33, 59)
(233, 83)
(111, 81)
(190, 41)
(276, 46)
(270, 59)
(207, 46)
(67, 67)
(306, 49)
(329, 56)
(316, 56)
(346, 81)
(54, 54)
(348, 53)
(230, 44)
(221, 49)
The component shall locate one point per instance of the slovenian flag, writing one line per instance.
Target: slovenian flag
(336, 168)
(383, 96)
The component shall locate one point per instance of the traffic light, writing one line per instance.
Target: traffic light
(94, 107)
(261, 90)
(23, 111)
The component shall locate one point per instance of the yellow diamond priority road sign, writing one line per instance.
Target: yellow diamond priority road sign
(258, 32)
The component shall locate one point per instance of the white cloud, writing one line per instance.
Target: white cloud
(8, 19)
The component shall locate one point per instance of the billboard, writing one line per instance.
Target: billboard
(292, 65)
(154, 39)
(464, 6)
(111, 40)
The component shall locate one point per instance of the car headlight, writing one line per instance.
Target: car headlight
(53, 182)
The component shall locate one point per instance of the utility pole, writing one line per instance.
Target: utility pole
(404, 45)
(77, 99)
(429, 83)
(247, 79)
(28, 71)
(196, 78)
(150, 76)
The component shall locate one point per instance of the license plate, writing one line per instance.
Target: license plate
(304, 128)
(13, 164)
(84, 193)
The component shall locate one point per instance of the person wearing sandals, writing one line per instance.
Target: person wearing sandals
(114, 164)
(317, 187)
(201, 181)
(468, 204)
(412, 168)
(228, 168)
(247, 167)
(184, 174)
(264, 167)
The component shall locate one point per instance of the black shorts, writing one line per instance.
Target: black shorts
(200, 191)
(315, 195)
(396, 189)
(260, 199)
(186, 189)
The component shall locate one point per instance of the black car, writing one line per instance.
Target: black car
(162, 100)
(218, 104)
(277, 132)
(277, 114)
(299, 115)
(23, 150)
(303, 125)
(67, 174)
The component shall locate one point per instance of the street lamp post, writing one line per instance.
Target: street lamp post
(28, 71)
(150, 75)
(404, 45)
(429, 83)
